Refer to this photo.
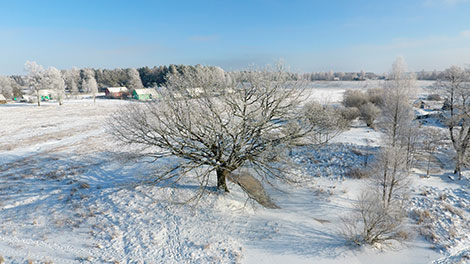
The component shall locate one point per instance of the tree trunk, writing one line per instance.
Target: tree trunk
(222, 179)
(429, 164)
(38, 98)
(458, 165)
(384, 183)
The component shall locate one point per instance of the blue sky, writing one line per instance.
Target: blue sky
(307, 35)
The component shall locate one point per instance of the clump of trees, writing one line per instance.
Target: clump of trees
(329, 122)
(52, 79)
(39, 78)
(362, 103)
(72, 80)
(455, 88)
(340, 76)
(35, 78)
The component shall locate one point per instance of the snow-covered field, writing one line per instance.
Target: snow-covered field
(69, 194)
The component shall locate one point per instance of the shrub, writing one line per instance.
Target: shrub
(434, 97)
(369, 113)
(358, 173)
(375, 222)
(354, 98)
(350, 113)
(375, 96)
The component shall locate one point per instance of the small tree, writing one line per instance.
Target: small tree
(248, 127)
(456, 90)
(34, 78)
(53, 80)
(430, 139)
(89, 83)
(6, 87)
(134, 81)
(390, 174)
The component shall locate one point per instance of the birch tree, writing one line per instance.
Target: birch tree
(397, 124)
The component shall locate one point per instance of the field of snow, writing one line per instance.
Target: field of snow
(69, 194)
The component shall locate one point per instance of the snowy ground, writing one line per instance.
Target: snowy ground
(68, 194)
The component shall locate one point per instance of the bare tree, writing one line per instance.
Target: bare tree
(397, 117)
(35, 76)
(250, 126)
(397, 112)
(456, 90)
(430, 139)
(390, 174)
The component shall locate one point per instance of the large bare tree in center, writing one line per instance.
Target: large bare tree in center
(246, 120)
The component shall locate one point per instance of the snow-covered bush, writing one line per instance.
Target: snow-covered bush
(375, 96)
(354, 98)
(358, 173)
(375, 222)
(350, 113)
(369, 112)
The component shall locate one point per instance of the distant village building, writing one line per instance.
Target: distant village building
(116, 92)
(145, 94)
(45, 94)
(2, 99)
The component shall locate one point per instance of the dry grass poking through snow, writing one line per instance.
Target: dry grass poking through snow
(443, 218)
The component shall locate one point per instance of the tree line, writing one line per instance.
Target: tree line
(78, 80)
(81, 80)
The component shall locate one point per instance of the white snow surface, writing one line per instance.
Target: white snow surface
(68, 194)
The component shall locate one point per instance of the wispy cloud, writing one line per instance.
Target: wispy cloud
(465, 34)
(430, 52)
